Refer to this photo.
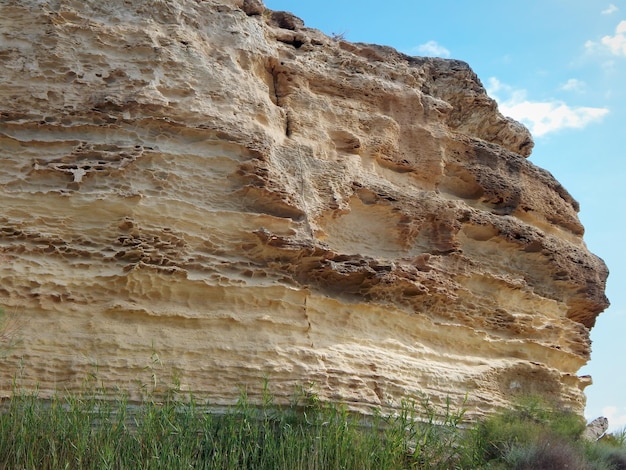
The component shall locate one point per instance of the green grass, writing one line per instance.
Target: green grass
(84, 431)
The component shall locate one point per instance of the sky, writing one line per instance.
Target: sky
(558, 66)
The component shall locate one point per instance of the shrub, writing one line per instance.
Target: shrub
(533, 429)
(616, 439)
(605, 456)
(545, 455)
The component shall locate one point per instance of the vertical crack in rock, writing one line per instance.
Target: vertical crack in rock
(251, 199)
(279, 93)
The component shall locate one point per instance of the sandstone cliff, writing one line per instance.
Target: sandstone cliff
(212, 192)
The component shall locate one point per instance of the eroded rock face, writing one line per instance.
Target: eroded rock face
(213, 192)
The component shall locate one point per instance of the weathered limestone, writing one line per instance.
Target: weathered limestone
(212, 192)
(596, 429)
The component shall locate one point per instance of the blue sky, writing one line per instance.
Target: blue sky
(559, 66)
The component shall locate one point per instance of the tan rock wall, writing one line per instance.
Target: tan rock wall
(191, 192)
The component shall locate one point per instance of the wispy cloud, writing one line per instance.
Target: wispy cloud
(610, 10)
(615, 44)
(431, 49)
(541, 117)
(573, 84)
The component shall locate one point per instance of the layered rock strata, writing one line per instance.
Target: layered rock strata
(210, 193)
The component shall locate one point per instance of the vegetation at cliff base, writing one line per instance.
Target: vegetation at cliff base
(85, 431)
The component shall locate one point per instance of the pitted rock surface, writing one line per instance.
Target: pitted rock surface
(217, 186)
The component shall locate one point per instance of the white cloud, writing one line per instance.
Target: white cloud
(573, 84)
(610, 10)
(546, 117)
(431, 49)
(541, 117)
(616, 417)
(590, 45)
(615, 44)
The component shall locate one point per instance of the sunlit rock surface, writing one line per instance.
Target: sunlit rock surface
(209, 193)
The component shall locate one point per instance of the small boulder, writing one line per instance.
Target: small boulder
(596, 429)
(286, 20)
(253, 7)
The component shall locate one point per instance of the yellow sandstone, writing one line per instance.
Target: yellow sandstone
(212, 194)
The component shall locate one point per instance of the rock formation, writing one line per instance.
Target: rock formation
(211, 193)
(596, 429)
